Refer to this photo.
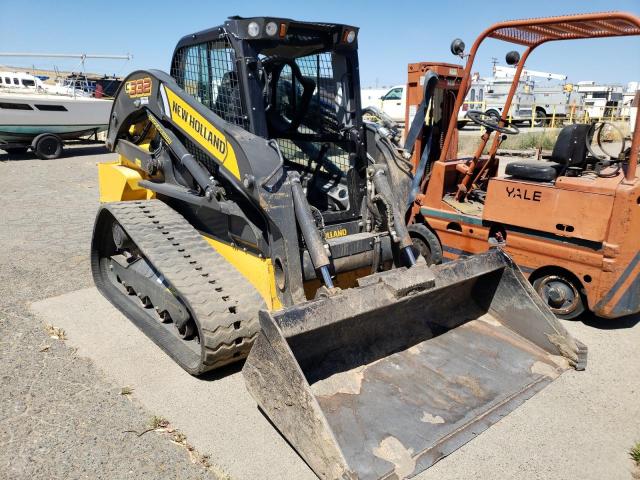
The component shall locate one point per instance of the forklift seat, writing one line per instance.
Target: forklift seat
(537, 170)
(570, 150)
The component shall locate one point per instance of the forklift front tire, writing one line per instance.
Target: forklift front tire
(562, 294)
(425, 243)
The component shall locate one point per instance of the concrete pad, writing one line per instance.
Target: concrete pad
(581, 426)
(217, 415)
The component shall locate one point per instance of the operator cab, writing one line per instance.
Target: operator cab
(306, 113)
(292, 82)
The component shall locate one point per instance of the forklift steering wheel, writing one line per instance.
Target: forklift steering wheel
(595, 132)
(492, 123)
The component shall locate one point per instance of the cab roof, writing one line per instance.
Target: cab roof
(288, 31)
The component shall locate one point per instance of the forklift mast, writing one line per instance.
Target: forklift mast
(439, 116)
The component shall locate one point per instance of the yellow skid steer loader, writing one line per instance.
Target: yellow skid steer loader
(251, 213)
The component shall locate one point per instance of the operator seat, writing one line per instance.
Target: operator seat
(570, 150)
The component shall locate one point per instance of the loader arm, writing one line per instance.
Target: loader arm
(196, 137)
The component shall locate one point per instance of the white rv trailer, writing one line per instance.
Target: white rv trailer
(628, 97)
(600, 100)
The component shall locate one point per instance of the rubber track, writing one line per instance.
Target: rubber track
(222, 301)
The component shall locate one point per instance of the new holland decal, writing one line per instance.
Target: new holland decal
(341, 232)
(202, 131)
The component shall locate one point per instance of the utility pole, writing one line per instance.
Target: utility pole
(494, 62)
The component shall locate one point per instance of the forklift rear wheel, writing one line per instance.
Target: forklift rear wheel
(425, 243)
(47, 146)
(561, 294)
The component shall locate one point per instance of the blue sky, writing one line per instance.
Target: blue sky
(393, 33)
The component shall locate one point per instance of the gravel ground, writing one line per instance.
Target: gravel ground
(59, 417)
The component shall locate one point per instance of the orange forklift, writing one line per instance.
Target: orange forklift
(571, 221)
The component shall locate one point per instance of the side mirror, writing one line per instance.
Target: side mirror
(457, 47)
(512, 58)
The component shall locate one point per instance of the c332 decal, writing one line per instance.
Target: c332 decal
(140, 87)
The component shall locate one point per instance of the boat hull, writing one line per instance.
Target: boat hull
(25, 116)
(26, 133)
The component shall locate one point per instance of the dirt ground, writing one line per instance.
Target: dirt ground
(59, 417)
(62, 414)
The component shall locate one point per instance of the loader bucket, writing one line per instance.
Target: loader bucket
(384, 380)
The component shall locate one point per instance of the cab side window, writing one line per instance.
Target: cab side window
(393, 94)
(207, 71)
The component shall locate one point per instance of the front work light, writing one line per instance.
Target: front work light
(351, 36)
(253, 29)
(271, 28)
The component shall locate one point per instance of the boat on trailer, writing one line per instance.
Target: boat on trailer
(41, 117)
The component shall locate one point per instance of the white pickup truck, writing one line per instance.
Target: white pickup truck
(392, 101)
